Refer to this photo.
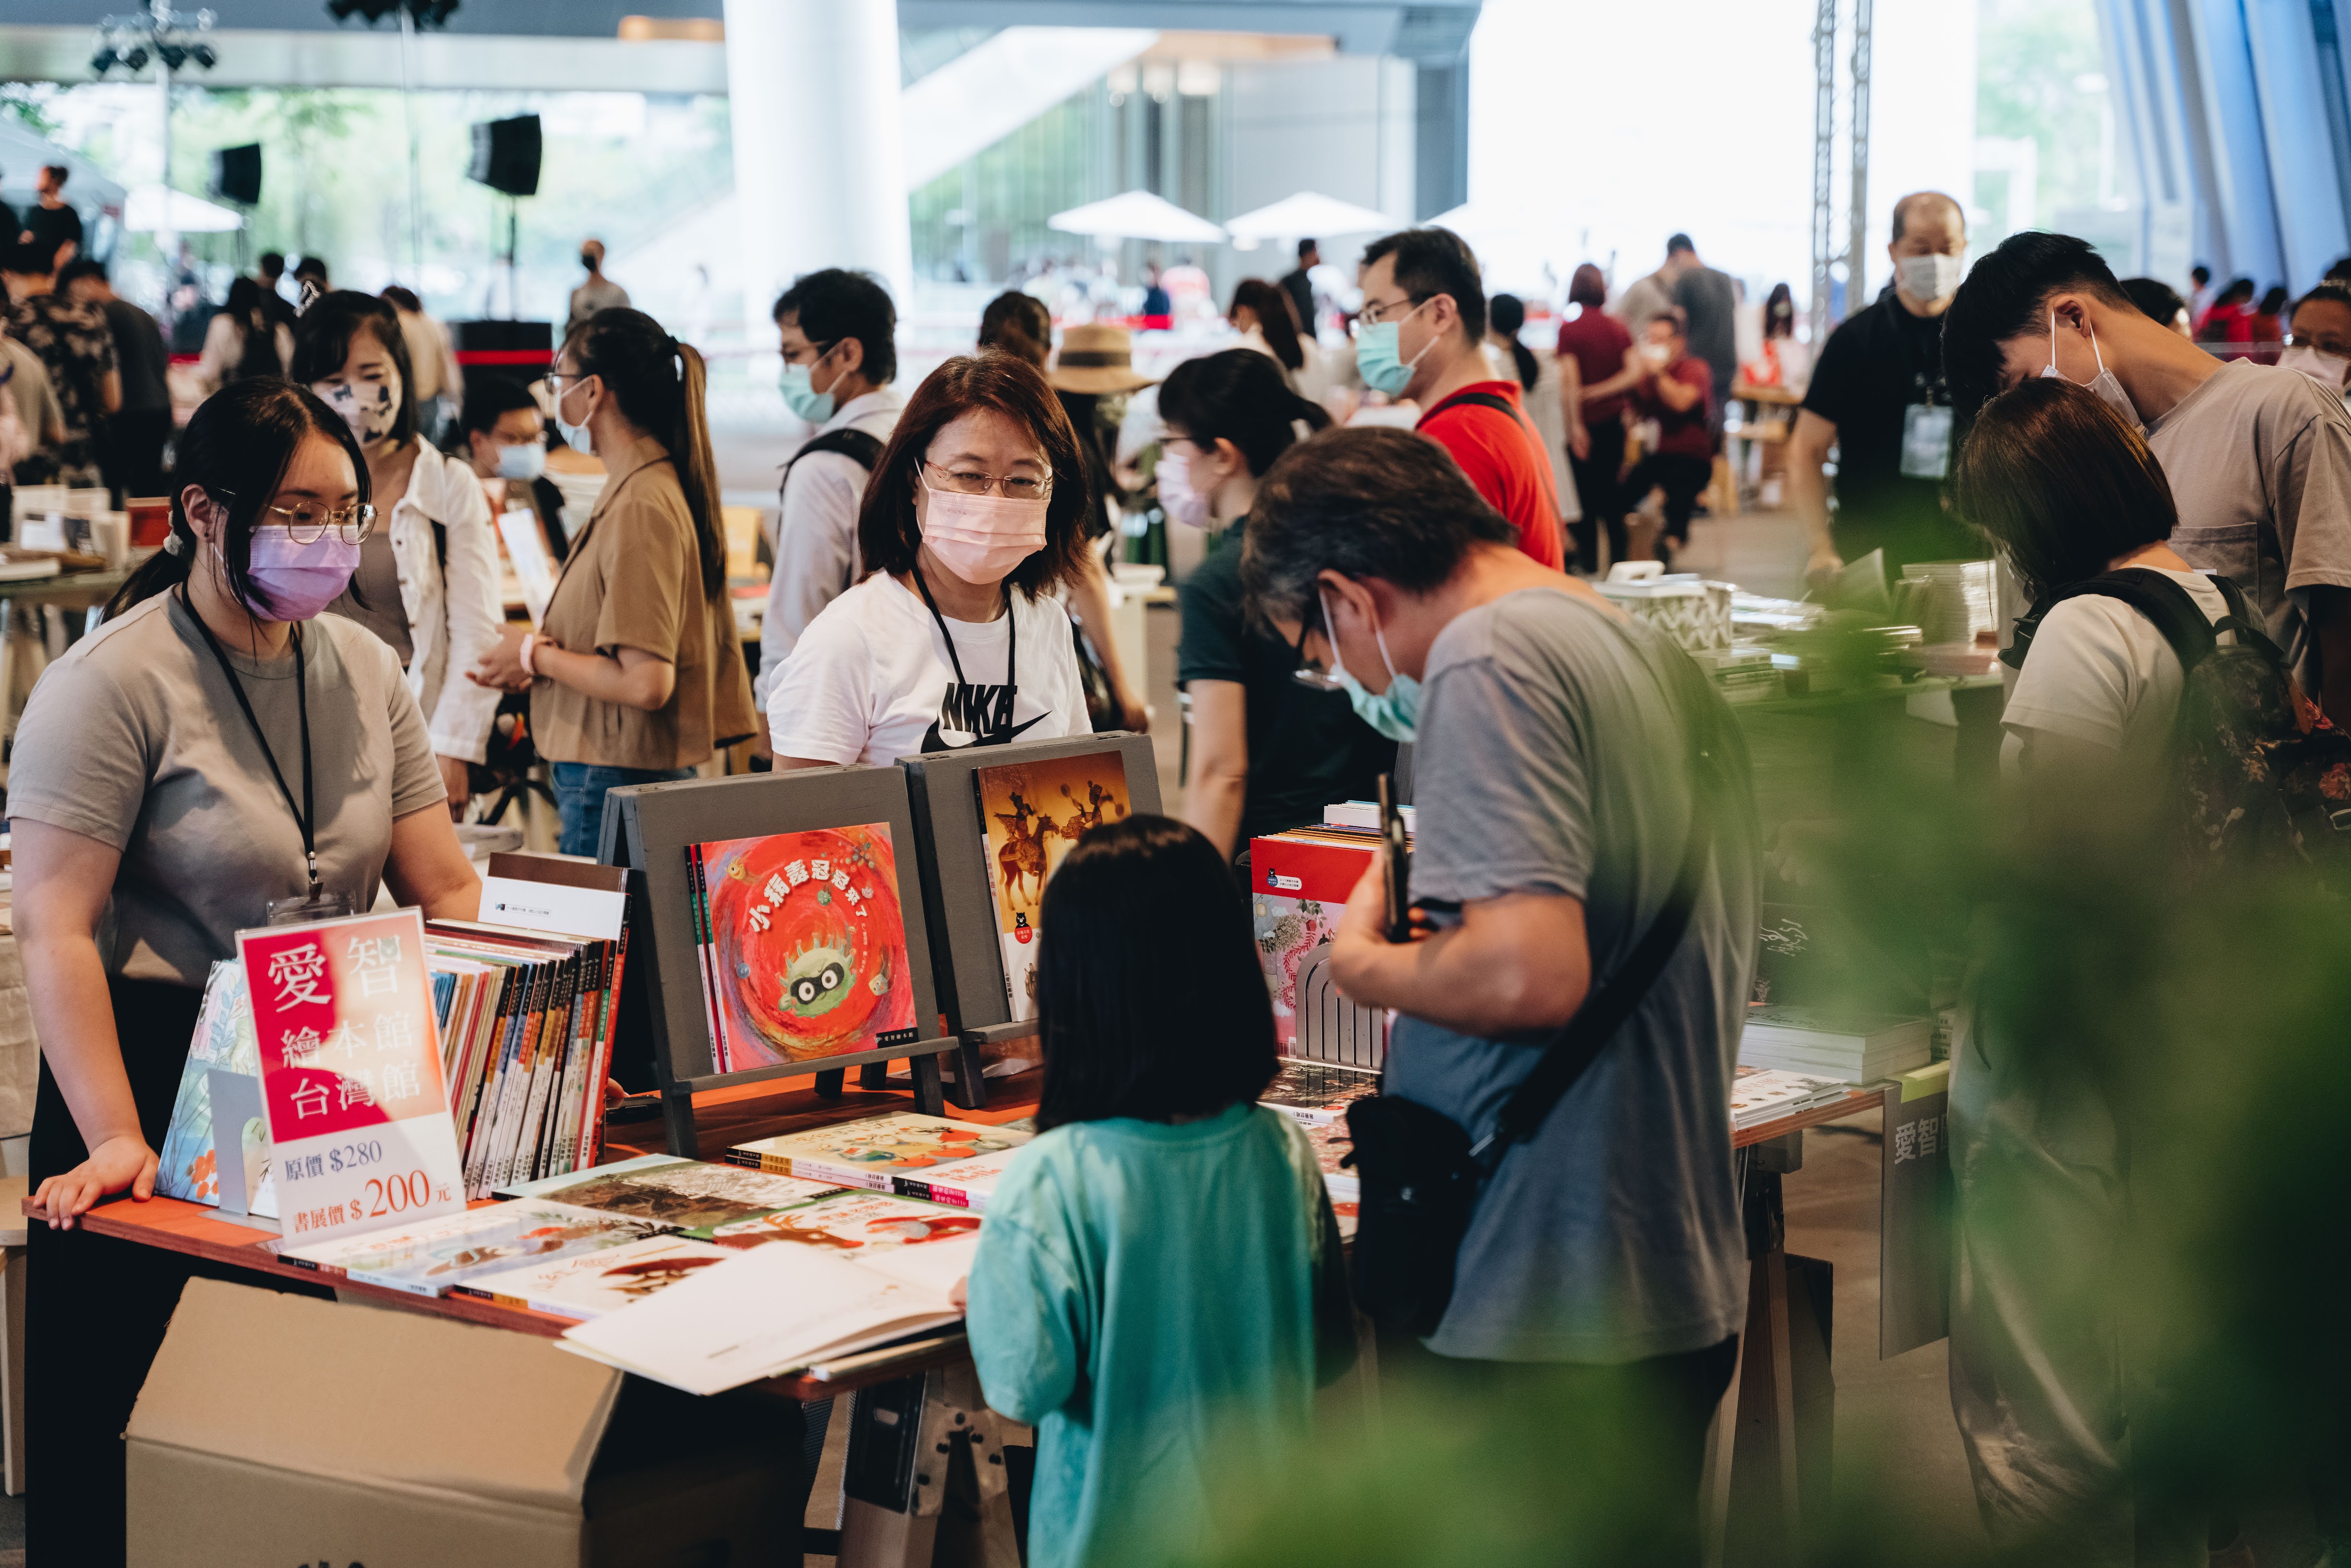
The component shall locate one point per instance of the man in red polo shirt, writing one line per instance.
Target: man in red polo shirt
(1419, 337)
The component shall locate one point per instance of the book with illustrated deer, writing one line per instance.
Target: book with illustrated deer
(1032, 813)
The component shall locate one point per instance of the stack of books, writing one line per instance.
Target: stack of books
(1742, 672)
(1957, 600)
(927, 1157)
(1363, 816)
(1317, 1094)
(1851, 1047)
(1761, 1094)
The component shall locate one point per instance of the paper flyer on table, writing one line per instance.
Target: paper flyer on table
(350, 1064)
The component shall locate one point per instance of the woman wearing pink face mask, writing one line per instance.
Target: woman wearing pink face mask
(216, 753)
(975, 511)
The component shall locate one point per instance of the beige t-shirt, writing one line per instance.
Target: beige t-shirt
(2258, 460)
(135, 738)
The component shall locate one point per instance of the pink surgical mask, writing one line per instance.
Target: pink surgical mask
(294, 581)
(1177, 499)
(981, 539)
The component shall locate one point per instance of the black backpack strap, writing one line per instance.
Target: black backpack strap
(1498, 403)
(860, 448)
(2171, 607)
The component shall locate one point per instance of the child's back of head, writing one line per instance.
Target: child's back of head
(1150, 1001)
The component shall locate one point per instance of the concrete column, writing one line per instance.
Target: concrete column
(819, 143)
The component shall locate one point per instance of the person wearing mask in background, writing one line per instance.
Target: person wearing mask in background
(50, 222)
(1784, 362)
(40, 419)
(1709, 305)
(427, 581)
(170, 774)
(270, 273)
(2158, 301)
(1676, 389)
(636, 676)
(1421, 335)
(1597, 369)
(1542, 393)
(1018, 324)
(244, 338)
(505, 445)
(979, 511)
(2257, 456)
(1878, 396)
(1558, 799)
(440, 384)
(310, 277)
(76, 347)
(2320, 347)
(1298, 284)
(136, 432)
(599, 293)
(839, 332)
(1267, 752)
(1261, 313)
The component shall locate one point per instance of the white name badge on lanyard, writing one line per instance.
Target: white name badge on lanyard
(1926, 441)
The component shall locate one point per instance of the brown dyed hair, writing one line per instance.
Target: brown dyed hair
(887, 534)
(2060, 482)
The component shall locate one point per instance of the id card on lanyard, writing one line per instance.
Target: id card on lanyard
(1927, 425)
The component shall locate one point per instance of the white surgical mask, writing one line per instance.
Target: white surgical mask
(1930, 280)
(1177, 499)
(575, 436)
(2329, 370)
(2103, 383)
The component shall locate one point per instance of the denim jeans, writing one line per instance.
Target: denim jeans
(579, 790)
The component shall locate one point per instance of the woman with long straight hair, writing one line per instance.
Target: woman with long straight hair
(216, 754)
(635, 673)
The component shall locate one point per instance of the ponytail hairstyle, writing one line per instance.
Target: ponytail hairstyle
(237, 449)
(1276, 318)
(255, 331)
(1018, 324)
(1239, 396)
(1505, 314)
(659, 383)
(322, 343)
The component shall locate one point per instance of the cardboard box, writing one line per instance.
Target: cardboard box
(279, 1429)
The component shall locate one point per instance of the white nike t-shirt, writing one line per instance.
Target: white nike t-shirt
(869, 680)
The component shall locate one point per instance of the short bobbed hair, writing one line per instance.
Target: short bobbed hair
(887, 533)
(1136, 902)
(2060, 482)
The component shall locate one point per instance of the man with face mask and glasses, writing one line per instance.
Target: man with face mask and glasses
(2257, 456)
(1877, 395)
(1420, 337)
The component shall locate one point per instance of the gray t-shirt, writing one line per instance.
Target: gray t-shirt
(1552, 759)
(135, 738)
(2258, 460)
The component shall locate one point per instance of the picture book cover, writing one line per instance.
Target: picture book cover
(590, 1284)
(865, 1226)
(965, 1183)
(428, 1259)
(1030, 814)
(871, 1150)
(688, 1194)
(807, 944)
(188, 1165)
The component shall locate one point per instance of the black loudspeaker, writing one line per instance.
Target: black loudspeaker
(236, 173)
(505, 155)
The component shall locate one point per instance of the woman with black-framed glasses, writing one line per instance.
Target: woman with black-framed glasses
(217, 754)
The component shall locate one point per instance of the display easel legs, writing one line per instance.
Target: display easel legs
(685, 1140)
(908, 1441)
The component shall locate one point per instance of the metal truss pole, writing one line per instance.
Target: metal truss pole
(1857, 246)
(1824, 25)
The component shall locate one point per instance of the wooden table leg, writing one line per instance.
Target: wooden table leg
(903, 1438)
(12, 1372)
(1721, 1443)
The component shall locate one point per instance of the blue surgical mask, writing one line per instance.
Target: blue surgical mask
(1379, 359)
(801, 398)
(1395, 712)
(525, 460)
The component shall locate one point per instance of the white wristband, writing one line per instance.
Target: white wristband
(530, 645)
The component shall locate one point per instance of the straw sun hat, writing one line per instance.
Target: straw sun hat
(1096, 359)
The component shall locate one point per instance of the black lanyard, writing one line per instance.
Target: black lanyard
(1011, 653)
(304, 815)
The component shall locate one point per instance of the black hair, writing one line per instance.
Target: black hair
(2327, 292)
(76, 269)
(1588, 287)
(1432, 261)
(1779, 312)
(401, 298)
(835, 303)
(1306, 247)
(2060, 482)
(489, 399)
(2338, 273)
(2273, 301)
(2202, 274)
(272, 264)
(236, 448)
(1238, 395)
(1136, 902)
(659, 383)
(1018, 324)
(1678, 244)
(1507, 314)
(2005, 294)
(1276, 318)
(2156, 301)
(1366, 501)
(58, 172)
(322, 342)
(255, 331)
(2239, 288)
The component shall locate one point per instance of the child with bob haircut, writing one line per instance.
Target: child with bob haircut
(1158, 1288)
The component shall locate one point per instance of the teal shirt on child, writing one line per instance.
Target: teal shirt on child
(1151, 1297)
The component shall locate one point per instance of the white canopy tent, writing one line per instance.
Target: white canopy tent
(154, 209)
(1309, 215)
(1137, 214)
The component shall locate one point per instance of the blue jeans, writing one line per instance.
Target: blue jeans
(579, 790)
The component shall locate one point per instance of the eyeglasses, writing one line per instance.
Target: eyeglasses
(307, 522)
(1375, 312)
(971, 482)
(1306, 675)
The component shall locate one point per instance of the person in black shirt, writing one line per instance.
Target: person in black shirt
(1877, 396)
(132, 451)
(1267, 752)
(50, 224)
(1300, 286)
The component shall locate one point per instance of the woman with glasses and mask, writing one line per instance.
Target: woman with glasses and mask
(635, 673)
(216, 755)
(428, 575)
(977, 512)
